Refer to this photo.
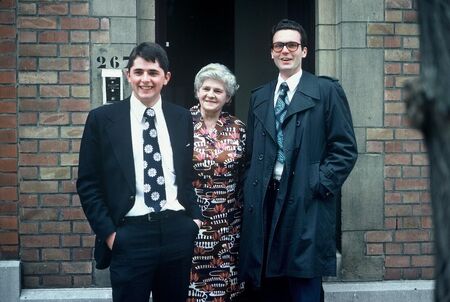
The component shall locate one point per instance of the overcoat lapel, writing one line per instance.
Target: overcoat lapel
(119, 133)
(264, 110)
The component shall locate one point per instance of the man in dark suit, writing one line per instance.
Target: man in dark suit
(134, 183)
(301, 148)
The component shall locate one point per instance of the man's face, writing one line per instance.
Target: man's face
(147, 80)
(288, 62)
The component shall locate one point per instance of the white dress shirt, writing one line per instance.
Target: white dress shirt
(292, 83)
(137, 110)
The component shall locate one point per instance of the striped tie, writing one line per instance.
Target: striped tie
(280, 113)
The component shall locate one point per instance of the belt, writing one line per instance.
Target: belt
(150, 217)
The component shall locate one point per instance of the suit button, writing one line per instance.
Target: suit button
(131, 198)
(264, 133)
(261, 157)
(255, 182)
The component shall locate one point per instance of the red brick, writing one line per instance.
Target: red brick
(9, 238)
(394, 248)
(8, 223)
(74, 50)
(7, 17)
(397, 210)
(398, 3)
(37, 22)
(29, 227)
(397, 159)
(420, 160)
(54, 118)
(44, 214)
(82, 280)
(378, 236)
(392, 171)
(79, 118)
(427, 222)
(375, 249)
(81, 227)
(79, 23)
(53, 64)
(31, 282)
(28, 118)
(28, 173)
(38, 105)
(411, 184)
(53, 9)
(8, 136)
(410, 223)
(76, 267)
(7, 62)
(392, 42)
(40, 268)
(422, 210)
(397, 261)
(409, 172)
(7, 47)
(49, 254)
(8, 92)
(79, 36)
(82, 254)
(7, 4)
(392, 274)
(27, 64)
(8, 179)
(388, 81)
(411, 68)
(28, 255)
(8, 164)
(79, 9)
(8, 193)
(8, 207)
(53, 146)
(412, 236)
(393, 147)
(56, 200)
(393, 95)
(411, 147)
(54, 37)
(411, 274)
(38, 50)
(27, 36)
(411, 248)
(7, 77)
(7, 32)
(71, 240)
(38, 186)
(374, 147)
(27, 9)
(8, 107)
(55, 227)
(88, 241)
(56, 281)
(54, 90)
(391, 120)
(9, 150)
(380, 28)
(75, 105)
(73, 214)
(428, 273)
(411, 197)
(104, 23)
(392, 197)
(79, 64)
(8, 121)
(28, 200)
(38, 160)
(68, 186)
(74, 78)
(422, 260)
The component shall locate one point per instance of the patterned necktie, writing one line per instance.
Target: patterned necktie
(154, 188)
(280, 113)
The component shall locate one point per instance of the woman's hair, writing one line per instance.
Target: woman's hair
(218, 72)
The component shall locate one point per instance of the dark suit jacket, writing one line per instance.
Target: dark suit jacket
(320, 150)
(106, 177)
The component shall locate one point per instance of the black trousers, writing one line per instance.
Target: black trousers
(153, 256)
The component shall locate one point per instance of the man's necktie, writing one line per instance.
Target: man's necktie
(154, 184)
(280, 113)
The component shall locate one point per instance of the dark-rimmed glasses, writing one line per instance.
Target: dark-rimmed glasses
(291, 46)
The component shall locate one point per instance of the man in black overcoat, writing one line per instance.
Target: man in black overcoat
(301, 148)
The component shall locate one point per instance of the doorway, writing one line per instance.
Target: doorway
(234, 33)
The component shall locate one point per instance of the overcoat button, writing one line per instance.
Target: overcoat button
(261, 157)
(255, 182)
(264, 133)
(298, 123)
(131, 198)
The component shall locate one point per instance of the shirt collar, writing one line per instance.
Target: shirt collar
(138, 109)
(292, 81)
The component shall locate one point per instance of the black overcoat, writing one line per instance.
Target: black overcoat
(320, 150)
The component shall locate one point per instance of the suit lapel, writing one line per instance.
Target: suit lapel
(119, 133)
(173, 127)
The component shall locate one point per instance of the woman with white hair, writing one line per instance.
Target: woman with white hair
(219, 145)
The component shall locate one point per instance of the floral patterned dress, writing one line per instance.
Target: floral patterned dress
(218, 162)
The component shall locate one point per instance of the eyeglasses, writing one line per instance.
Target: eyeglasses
(291, 46)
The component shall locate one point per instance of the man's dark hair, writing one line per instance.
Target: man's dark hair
(291, 24)
(150, 52)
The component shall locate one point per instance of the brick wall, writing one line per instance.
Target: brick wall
(406, 242)
(55, 41)
(9, 238)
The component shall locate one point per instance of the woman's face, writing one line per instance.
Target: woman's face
(212, 96)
